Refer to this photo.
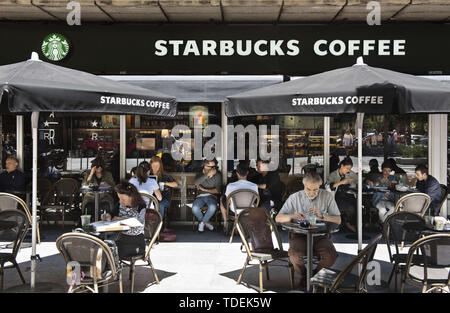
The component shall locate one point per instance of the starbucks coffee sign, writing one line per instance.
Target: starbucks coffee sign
(55, 47)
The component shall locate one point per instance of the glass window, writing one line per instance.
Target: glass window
(301, 139)
(403, 138)
(148, 136)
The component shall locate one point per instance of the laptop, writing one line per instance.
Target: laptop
(153, 177)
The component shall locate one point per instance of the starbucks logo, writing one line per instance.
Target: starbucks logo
(55, 47)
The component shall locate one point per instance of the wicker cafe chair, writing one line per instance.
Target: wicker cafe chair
(65, 191)
(152, 227)
(12, 202)
(255, 224)
(432, 268)
(397, 237)
(96, 260)
(241, 199)
(15, 234)
(444, 195)
(344, 281)
(414, 202)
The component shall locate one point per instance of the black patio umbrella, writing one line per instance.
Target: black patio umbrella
(36, 86)
(356, 89)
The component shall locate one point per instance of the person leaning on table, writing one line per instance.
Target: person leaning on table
(298, 206)
(131, 242)
(99, 177)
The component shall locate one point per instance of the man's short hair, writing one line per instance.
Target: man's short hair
(206, 162)
(12, 158)
(346, 161)
(422, 168)
(386, 164)
(242, 169)
(312, 177)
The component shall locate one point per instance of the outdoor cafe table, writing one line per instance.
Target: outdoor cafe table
(423, 228)
(310, 232)
(96, 193)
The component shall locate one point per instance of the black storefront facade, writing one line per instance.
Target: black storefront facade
(201, 64)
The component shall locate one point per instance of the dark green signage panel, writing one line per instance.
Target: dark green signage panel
(418, 49)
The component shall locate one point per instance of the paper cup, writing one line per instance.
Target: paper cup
(85, 220)
(439, 222)
(161, 186)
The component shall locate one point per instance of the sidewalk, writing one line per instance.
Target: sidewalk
(195, 263)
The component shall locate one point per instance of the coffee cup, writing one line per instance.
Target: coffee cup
(439, 223)
(161, 186)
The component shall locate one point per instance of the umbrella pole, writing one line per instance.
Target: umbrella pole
(34, 127)
(359, 123)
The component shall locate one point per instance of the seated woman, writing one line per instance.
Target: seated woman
(339, 182)
(131, 242)
(165, 180)
(97, 177)
(145, 184)
(384, 201)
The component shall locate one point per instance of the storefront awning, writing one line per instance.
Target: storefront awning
(200, 88)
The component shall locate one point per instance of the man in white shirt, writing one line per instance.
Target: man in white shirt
(242, 183)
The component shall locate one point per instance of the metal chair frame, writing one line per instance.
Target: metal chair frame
(252, 256)
(230, 199)
(85, 286)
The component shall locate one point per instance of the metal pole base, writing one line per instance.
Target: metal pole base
(38, 288)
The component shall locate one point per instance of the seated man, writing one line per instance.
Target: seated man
(339, 182)
(12, 179)
(298, 206)
(97, 177)
(429, 185)
(384, 201)
(242, 183)
(209, 185)
(270, 184)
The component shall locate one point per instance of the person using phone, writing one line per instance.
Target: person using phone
(340, 181)
(384, 201)
(209, 187)
(297, 207)
(98, 176)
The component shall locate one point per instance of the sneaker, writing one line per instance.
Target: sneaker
(201, 227)
(209, 226)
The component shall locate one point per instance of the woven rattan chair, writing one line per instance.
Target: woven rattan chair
(417, 203)
(14, 233)
(397, 238)
(345, 281)
(251, 228)
(428, 263)
(12, 202)
(152, 227)
(444, 195)
(98, 263)
(241, 199)
(65, 191)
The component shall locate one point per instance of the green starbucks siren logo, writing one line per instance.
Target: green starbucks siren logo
(55, 47)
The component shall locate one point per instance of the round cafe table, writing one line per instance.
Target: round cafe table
(310, 232)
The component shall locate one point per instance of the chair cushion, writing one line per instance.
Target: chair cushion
(270, 255)
(401, 258)
(326, 277)
(5, 257)
(435, 275)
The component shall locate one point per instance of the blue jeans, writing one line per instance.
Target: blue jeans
(200, 202)
(162, 206)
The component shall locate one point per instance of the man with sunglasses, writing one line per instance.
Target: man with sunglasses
(209, 187)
